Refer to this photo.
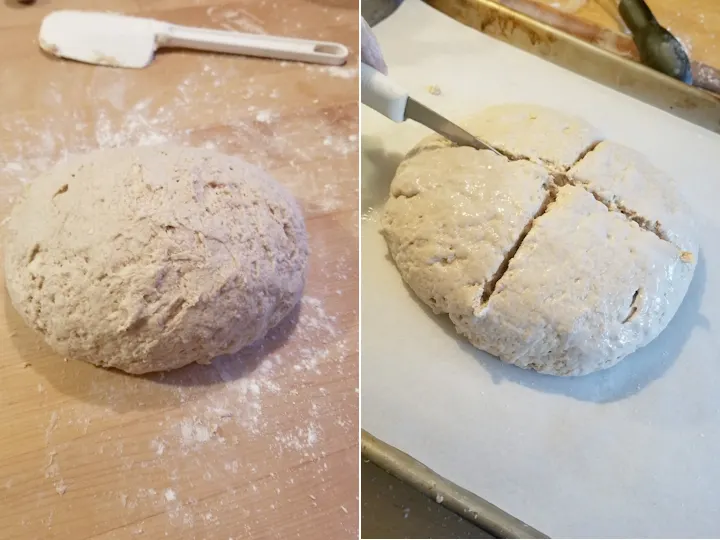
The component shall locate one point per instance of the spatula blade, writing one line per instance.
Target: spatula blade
(99, 38)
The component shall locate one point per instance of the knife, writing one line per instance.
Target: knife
(389, 99)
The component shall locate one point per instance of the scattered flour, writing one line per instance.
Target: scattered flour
(194, 431)
(264, 116)
(60, 487)
(204, 424)
(158, 446)
(207, 429)
(236, 19)
(52, 425)
(334, 71)
(274, 135)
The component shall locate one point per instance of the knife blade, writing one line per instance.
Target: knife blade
(392, 101)
(439, 124)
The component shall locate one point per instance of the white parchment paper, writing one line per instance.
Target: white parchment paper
(630, 452)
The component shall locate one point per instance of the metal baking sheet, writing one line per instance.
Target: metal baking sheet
(634, 79)
(627, 452)
(487, 516)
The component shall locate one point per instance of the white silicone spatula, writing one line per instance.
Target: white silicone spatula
(119, 40)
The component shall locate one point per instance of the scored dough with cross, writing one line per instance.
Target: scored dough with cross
(564, 258)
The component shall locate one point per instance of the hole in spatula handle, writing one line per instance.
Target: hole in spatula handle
(331, 49)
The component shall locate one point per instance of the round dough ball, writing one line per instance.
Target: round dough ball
(564, 258)
(149, 259)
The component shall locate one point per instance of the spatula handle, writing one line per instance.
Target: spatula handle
(378, 92)
(260, 45)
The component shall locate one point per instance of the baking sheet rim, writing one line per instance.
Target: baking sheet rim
(457, 499)
(625, 75)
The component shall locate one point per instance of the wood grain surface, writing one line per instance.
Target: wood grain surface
(261, 445)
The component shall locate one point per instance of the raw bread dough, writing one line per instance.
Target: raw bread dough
(549, 138)
(149, 259)
(564, 259)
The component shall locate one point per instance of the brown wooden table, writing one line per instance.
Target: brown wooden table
(695, 22)
(263, 445)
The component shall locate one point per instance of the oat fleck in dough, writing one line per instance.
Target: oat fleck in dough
(149, 259)
(563, 259)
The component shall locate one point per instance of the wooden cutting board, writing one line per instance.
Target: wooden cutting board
(263, 445)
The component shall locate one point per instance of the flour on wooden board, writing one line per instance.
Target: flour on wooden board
(239, 408)
(32, 148)
(236, 19)
(334, 71)
(210, 425)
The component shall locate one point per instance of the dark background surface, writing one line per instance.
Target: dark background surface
(392, 509)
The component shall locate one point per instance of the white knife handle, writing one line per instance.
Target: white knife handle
(380, 93)
(282, 48)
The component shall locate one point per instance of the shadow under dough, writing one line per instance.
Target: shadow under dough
(378, 168)
(122, 392)
(630, 376)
